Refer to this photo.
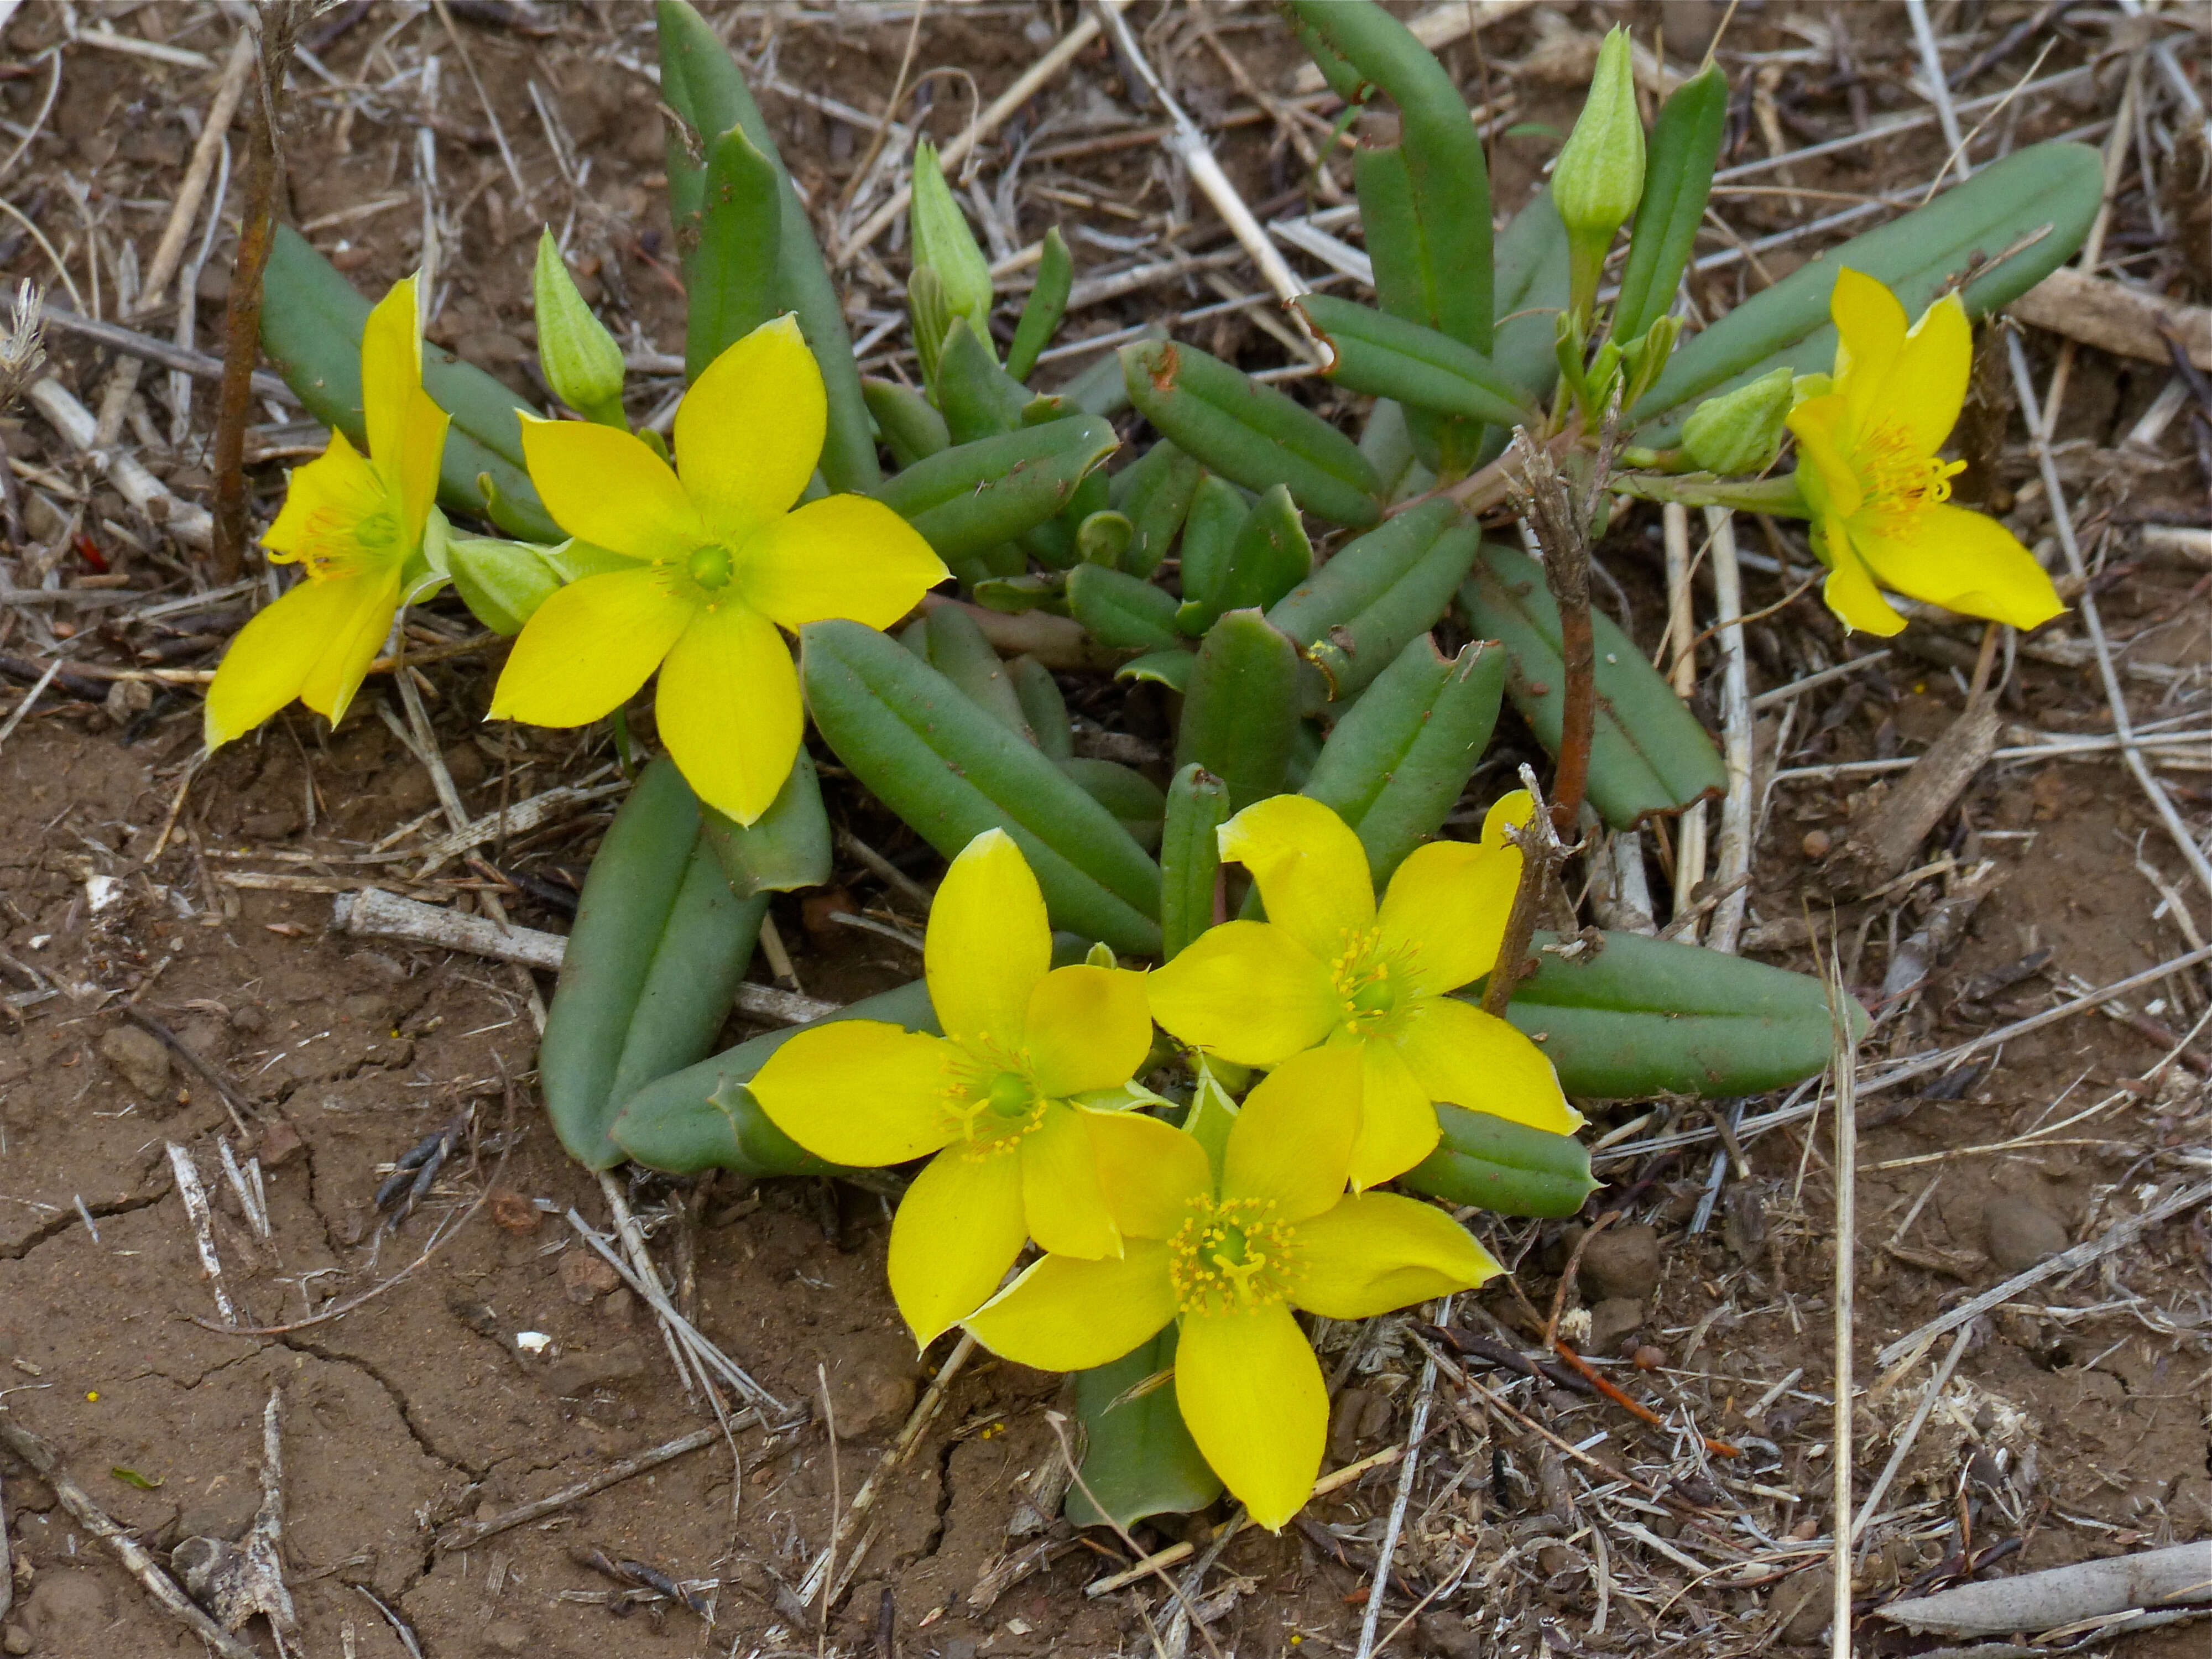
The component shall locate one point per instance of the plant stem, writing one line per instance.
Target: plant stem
(1540, 855)
(241, 320)
(1775, 495)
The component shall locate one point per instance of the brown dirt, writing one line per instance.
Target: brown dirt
(2081, 1432)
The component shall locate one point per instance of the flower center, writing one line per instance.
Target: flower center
(710, 566)
(1369, 979)
(1230, 1255)
(339, 542)
(1899, 480)
(985, 1103)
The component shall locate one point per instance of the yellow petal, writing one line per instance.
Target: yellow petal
(1311, 868)
(587, 649)
(391, 370)
(1460, 1053)
(1252, 1396)
(956, 1233)
(1060, 1191)
(1444, 914)
(324, 502)
(750, 430)
(359, 630)
(1966, 562)
(1247, 991)
(1850, 590)
(1514, 810)
(273, 654)
(988, 947)
(728, 709)
(1870, 335)
(1927, 385)
(859, 1091)
(606, 487)
(843, 556)
(1292, 1141)
(1151, 1173)
(414, 470)
(1830, 483)
(1086, 1028)
(1064, 1315)
(1397, 1123)
(1375, 1253)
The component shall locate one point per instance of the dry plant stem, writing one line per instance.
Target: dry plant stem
(1562, 528)
(1681, 628)
(1635, 1408)
(221, 111)
(234, 1103)
(189, 1188)
(1732, 861)
(1844, 1064)
(1540, 856)
(46, 1463)
(1372, 1614)
(242, 317)
(2062, 519)
(641, 1266)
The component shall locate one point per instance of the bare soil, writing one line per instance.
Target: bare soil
(2076, 1426)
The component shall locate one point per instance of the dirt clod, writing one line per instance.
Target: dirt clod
(512, 1211)
(1802, 1605)
(67, 1612)
(585, 1277)
(15, 1639)
(1448, 1635)
(1622, 1261)
(506, 1636)
(2018, 1232)
(1613, 1319)
(872, 1388)
(280, 1144)
(139, 1056)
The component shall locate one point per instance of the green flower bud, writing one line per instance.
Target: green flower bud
(583, 363)
(943, 242)
(1599, 177)
(1740, 432)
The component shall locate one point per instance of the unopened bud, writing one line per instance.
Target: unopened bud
(943, 242)
(583, 363)
(1740, 432)
(1599, 177)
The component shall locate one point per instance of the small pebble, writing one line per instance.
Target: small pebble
(1650, 1358)
(15, 1639)
(586, 1275)
(2018, 1232)
(1816, 843)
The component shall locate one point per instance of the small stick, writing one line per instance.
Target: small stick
(1732, 861)
(236, 1103)
(203, 1224)
(469, 1534)
(1635, 1408)
(149, 349)
(46, 1463)
(1540, 854)
(1844, 1063)
(170, 250)
(241, 318)
(836, 1504)
(1371, 1616)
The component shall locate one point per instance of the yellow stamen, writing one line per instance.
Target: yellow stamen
(1230, 1255)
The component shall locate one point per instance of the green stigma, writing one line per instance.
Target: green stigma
(709, 567)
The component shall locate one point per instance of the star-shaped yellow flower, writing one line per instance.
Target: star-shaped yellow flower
(721, 558)
(1328, 966)
(1008, 1098)
(1878, 492)
(1230, 1258)
(353, 523)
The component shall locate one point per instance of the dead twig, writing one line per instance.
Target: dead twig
(1371, 1616)
(469, 1534)
(1540, 856)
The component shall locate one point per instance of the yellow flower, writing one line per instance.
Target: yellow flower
(1330, 966)
(719, 559)
(1878, 492)
(1006, 1097)
(353, 523)
(1230, 1258)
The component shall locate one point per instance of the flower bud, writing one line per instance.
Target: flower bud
(943, 242)
(1740, 432)
(1599, 177)
(583, 363)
